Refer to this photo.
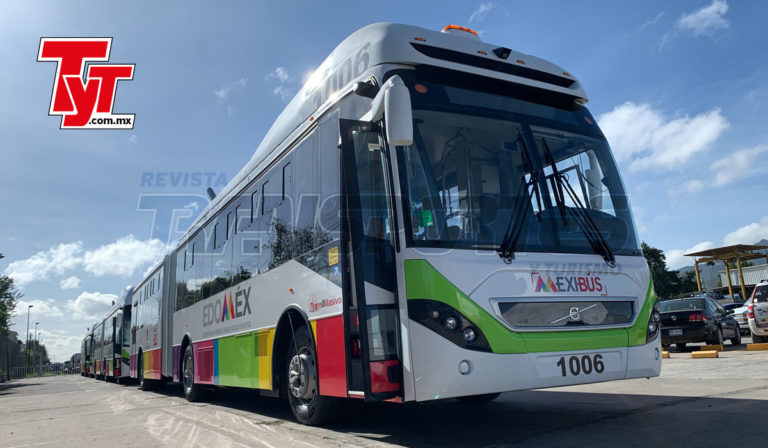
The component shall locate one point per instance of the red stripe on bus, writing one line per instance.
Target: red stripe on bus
(153, 364)
(204, 353)
(331, 365)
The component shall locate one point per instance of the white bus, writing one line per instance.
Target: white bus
(86, 348)
(97, 366)
(115, 343)
(432, 216)
(147, 328)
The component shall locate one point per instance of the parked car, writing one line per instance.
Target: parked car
(741, 314)
(697, 319)
(758, 312)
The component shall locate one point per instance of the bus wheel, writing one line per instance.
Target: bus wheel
(482, 398)
(307, 405)
(193, 392)
(143, 383)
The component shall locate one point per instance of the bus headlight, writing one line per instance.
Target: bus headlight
(446, 321)
(654, 323)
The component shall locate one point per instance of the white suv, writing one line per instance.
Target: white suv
(758, 312)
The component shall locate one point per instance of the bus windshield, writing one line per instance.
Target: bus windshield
(472, 155)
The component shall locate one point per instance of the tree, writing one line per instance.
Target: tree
(667, 283)
(9, 297)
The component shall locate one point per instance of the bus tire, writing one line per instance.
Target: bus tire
(193, 392)
(301, 384)
(482, 398)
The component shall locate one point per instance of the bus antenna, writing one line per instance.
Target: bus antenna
(211, 193)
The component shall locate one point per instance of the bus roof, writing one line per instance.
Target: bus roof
(390, 43)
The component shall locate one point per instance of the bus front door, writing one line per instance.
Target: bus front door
(370, 297)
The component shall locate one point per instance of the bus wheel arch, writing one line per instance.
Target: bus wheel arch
(282, 342)
(185, 342)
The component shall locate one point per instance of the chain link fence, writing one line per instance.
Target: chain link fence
(44, 370)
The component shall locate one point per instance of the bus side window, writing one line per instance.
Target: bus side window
(327, 176)
(305, 198)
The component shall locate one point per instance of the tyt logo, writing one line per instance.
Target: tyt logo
(84, 95)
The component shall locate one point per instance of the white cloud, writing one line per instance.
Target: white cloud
(133, 138)
(639, 133)
(123, 257)
(90, 305)
(285, 89)
(279, 73)
(70, 283)
(283, 92)
(706, 20)
(479, 14)
(60, 344)
(749, 234)
(225, 90)
(693, 186)
(652, 21)
(40, 307)
(738, 165)
(676, 258)
(55, 260)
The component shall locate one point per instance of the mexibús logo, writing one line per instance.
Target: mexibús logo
(568, 283)
(84, 95)
(227, 307)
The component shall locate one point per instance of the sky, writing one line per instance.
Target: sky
(679, 88)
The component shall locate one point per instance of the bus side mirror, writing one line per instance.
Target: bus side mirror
(397, 113)
(594, 183)
(394, 102)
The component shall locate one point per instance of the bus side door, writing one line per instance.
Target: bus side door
(370, 297)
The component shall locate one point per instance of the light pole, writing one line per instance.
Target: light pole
(26, 352)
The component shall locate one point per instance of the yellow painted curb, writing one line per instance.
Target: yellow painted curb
(763, 346)
(718, 347)
(664, 354)
(705, 354)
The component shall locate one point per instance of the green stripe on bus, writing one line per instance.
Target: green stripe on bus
(422, 281)
(237, 362)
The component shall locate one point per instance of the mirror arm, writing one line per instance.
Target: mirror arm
(377, 105)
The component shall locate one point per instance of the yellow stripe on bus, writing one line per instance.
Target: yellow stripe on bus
(264, 341)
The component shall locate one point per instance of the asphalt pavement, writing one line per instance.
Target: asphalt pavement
(695, 402)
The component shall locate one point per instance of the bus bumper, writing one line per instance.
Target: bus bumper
(438, 364)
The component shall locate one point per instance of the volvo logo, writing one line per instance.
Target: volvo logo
(574, 313)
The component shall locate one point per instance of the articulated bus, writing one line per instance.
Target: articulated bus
(96, 356)
(115, 343)
(431, 217)
(86, 348)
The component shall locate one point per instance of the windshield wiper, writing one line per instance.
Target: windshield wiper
(507, 247)
(583, 220)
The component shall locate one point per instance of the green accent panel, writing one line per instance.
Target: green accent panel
(638, 331)
(422, 281)
(556, 341)
(237, 362)
(125, 354)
